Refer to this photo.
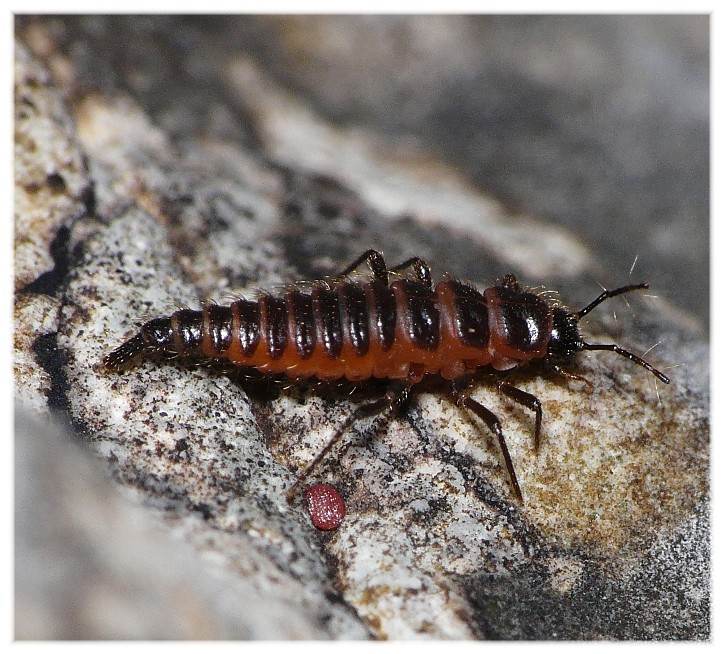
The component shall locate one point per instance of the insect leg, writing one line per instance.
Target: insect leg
(421, 270)
(375, 260)
(571, 375)
(527, 400)
(394, 398)
(493, 424)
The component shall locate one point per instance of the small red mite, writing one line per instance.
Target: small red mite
(326, 506)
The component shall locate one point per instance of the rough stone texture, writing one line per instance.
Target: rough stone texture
(92, 564)
(51, 184)
(212, 179)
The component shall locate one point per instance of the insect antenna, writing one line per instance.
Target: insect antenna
(628, 355)
(605, 295)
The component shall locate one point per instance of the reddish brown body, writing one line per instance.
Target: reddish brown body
(401, 331)
(437, 331)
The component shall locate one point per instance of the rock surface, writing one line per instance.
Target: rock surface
(213, 180)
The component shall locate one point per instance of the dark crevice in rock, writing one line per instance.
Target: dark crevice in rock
(51, 281)
(52, 359)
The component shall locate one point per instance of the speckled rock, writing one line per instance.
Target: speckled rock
(119, 571)
(51, 184)
(612, 539)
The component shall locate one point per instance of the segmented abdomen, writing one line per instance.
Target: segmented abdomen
(400, 331)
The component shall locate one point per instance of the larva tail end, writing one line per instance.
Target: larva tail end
(124, 354)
